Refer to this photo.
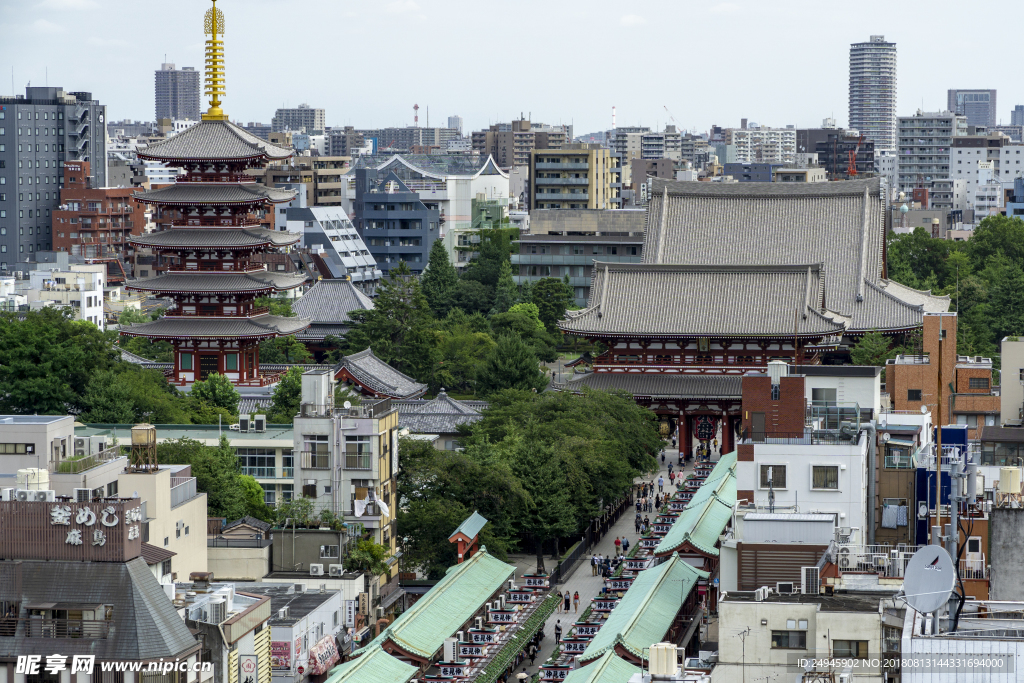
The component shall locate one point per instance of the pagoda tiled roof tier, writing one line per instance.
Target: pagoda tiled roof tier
(215, 194)
(663, 300)
(213, 141)
(838, 224)
(216, 237)
(199, 327)
(218, 282)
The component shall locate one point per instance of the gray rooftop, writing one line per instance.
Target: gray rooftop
(379, 377)
(661, 385)
(839, 224)
(706, 301)
(145, 623)
(330, 301)
(215, 193)
(216, 237)
(283, 595)
(442, 415)
(256, 327)
(210, 140)
(840, 602)
(213, 282)
(31, 419)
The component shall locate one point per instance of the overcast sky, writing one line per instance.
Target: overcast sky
(775, 62)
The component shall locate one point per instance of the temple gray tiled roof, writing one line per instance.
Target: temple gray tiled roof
(652, 299)
(839, 224)
(209, 140)
(215, 193)
(256, 327)
(442, 415)
(379, 377)
(330, 301)
(216, 237)
(656, 384)
(200, 281)
(145, 623)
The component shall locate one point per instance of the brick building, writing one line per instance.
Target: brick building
(94, 221)
(913, 380)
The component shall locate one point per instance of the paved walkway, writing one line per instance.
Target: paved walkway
(581, 580)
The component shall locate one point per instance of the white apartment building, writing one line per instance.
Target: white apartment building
(328, 231)
(80, 288)
(1007, 161)
(762, 144)
(988, 192)
(873, 91)
(924, 143)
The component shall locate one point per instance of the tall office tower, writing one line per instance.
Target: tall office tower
(41, 131)
(873, 91)
(1017, 116)
(177, 93)
(456, 123)
(303, 116)
(979, 106)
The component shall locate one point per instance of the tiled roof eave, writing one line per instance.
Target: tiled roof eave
(709, 335)
(205, 160)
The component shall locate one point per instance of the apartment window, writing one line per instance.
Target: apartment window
(913, 394)
(789, 640)
(778, 476)
(328, 552)
(776, 389)
(256, 462)
(978, 383)
(825, 477)
(970, 420)
(112, 489)
(850, 648)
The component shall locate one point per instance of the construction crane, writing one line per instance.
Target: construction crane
(851, 167)
(672, 118)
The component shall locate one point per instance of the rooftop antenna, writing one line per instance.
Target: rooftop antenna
(928, 580)
(613, 117)
(416, 115)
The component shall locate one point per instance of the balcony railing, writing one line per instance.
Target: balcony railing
(316, 461)
(183, 489)
(176, 312)
(974, 568)
(79, 464)
(807, 438)
(357, 461)
(43, 627)
(874, 559)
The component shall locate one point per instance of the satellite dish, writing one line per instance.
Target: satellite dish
(886, 437)
(928, 579)
(347, 405)
(924, 410)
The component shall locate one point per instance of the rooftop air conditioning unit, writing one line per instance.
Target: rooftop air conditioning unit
(80, 443)
(22, 494)
(45, 496)
(511, 585)
(478, 622)
(79, 452)
(282, 613)
(234, 427)
(787, 588)
(7, 493)
(260, 423)
(335, 569)
(812, 580)
(380, 612)
(83, 495)
(316, 570)
(243, 423)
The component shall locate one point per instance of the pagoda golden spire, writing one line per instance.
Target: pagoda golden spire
(213, 25)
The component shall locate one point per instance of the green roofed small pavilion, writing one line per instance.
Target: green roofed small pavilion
(467, 535)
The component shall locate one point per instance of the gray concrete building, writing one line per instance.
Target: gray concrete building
(873, 91)
(566, 242)
(394, 224)
(301, 117)
(979, 106)
(177, 93)
(924, 144)
(38, 133)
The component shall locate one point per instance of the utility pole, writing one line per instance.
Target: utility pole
(743, 639)
(937, 529)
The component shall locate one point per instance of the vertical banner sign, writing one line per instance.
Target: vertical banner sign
(247, 668)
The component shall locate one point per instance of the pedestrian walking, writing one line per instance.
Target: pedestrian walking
(531, 652)
(568, 600)
(593, 565)
(647, 521)
(558, 630)
(625, 546)
(637, 522)
(661, 483)
(638, 503)
(576, 602)
(618, 545)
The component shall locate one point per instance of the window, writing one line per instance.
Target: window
(165, 567)
(186, 361)
(775, 392)
(357, 452)
(850, 648)
(789, 640)
(778, 476)
(913, 394)
(825, 477)
(112, 489)
(970, 420)
(328, 552)
(256, 462)
(231, 361)
(977, 383)
(823, 397)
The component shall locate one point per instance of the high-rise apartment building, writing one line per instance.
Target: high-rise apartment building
(455, 123)
(979, 106)
(1017, 116)
(177, 93)
(511, 143)
(924, 143)
(302, 117)
(579, 176)
(873, 91)
(341, 141)
(762, 144)
(38, 133)
(638, 142)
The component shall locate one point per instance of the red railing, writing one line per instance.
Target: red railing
(177, 313)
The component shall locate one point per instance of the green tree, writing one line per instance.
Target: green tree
(287, 398)
(505, 293)
(552, 299)
(368, 556)
(133, 316)
(216, 471)
(473, 297)
(439, 280)
(277, 305)
(1007, 303)
(510, 365)
(284, 349)
(129, 393)
(47, 360)
(297, 511)
(255, 501)
(496, 247)
(399, 328)
(873, 348)
(157, 351)
(217, 391)
(460, 353)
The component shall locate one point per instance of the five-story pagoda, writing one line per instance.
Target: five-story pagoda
(214, 324)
